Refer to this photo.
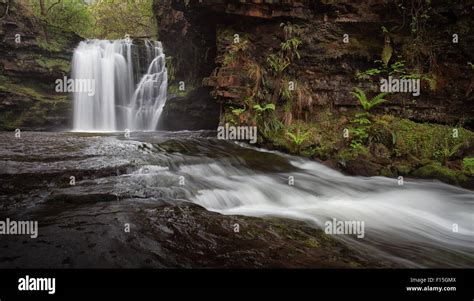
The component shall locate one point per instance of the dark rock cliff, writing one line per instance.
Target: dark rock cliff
(199, 33)
(32, 56)
(195, 111)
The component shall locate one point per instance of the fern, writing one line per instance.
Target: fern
(291, 46)
(277, 63)
(447, 151)
(267, 107)
(367, 104)
(468, 165)
(272, 125)
(298, 138)
(238, 111)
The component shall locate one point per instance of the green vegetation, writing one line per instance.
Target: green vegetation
(362, 121)
(174, 89)
(359, 130)
(69, 15)
(115, 19)
(52, 64)
(238, 111)
(290, 30)
(267, 107)
(428, 141)
(397, 66)
(468, 164)
(436, 171)
(268, 84)
(236, 52)
(277, 64)
(367, 104)
(40, 105)
(298, 138)
(290, 46)
(395, 146)
(397, 69)
(387, 145)
(229, 59)
(103, 19)
(170, 68)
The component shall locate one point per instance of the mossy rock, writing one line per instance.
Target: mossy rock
(34, 108)
(54, 64)
(403, 169)
(10, 120)
(442, 173)
(428, 141)
(57, 41)
(387, 172)
(468, 165)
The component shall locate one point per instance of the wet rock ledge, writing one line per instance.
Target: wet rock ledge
(168, 235)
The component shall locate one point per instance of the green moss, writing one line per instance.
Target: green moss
(345, 156)
(52, 45)
(404, 144)
(25, 91)
(52, 64)
(468, 165)
(36, 105)
(387, 172)
(429, 141)
(11, 120)
(442, 173)
(403, 169)
(57, 39)
(174, 89)
(32, 91)
(312, 243)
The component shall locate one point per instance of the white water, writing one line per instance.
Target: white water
(119, 102)
(421, 223)
(401, 222)
(418, 224)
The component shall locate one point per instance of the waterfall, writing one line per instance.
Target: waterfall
(119, 102)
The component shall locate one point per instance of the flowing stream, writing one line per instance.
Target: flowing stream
(418, 224)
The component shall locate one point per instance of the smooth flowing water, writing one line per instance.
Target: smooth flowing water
(417, 224)
(119, 102)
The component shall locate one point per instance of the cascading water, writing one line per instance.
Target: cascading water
(417, 224)
(116, 104)
(150, 95)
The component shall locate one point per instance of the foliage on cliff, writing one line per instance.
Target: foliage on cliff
(304, 70)
(102, 19)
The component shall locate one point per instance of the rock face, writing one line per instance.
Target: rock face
(190, 46)
(33, 56)
(196, 111)
(174, 236)
(328, 65)
(191, 43)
